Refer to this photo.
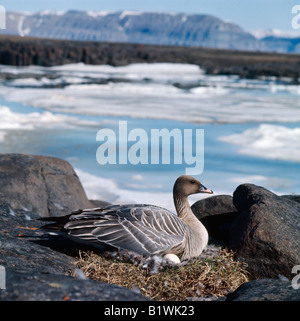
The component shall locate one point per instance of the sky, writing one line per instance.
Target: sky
(249, 14)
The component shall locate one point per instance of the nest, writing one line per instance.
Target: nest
(204, 277)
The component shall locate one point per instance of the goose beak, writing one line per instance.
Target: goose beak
(203, 189)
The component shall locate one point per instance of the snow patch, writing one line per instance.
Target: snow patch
(268, 141)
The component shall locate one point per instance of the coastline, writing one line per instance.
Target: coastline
(25, 51)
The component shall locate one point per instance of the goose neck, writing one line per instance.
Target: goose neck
(182, 205)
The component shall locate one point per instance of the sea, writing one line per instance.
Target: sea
(250, 127)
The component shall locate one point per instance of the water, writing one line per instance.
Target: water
(251, 127)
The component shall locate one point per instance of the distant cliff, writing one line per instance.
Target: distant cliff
(23, 51)
(144, 28)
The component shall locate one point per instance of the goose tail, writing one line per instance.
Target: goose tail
(57, 224)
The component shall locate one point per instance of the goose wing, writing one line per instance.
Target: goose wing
(144, 229)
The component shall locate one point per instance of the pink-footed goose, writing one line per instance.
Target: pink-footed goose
(144, 229)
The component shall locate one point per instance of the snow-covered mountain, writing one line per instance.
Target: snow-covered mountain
(143, 28)
(263, 33)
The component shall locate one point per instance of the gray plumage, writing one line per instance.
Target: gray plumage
(145, 229)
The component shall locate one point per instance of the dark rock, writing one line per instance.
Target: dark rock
(97, 203)
(266, 233)
(265, 290)
(295, 198)
(51, 287)
(24, 248)
(214, 205)
(44, 185)
(217, 214)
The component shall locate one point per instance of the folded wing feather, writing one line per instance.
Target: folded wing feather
(145, 229)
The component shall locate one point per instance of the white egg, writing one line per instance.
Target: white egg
(172, 257)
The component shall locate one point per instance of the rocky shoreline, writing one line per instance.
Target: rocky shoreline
(262, 228)
(25, 51)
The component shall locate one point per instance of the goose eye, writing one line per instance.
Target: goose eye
(193, 182)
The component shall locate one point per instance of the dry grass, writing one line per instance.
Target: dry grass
(202, 277)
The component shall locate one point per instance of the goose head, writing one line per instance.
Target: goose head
(186, 185)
